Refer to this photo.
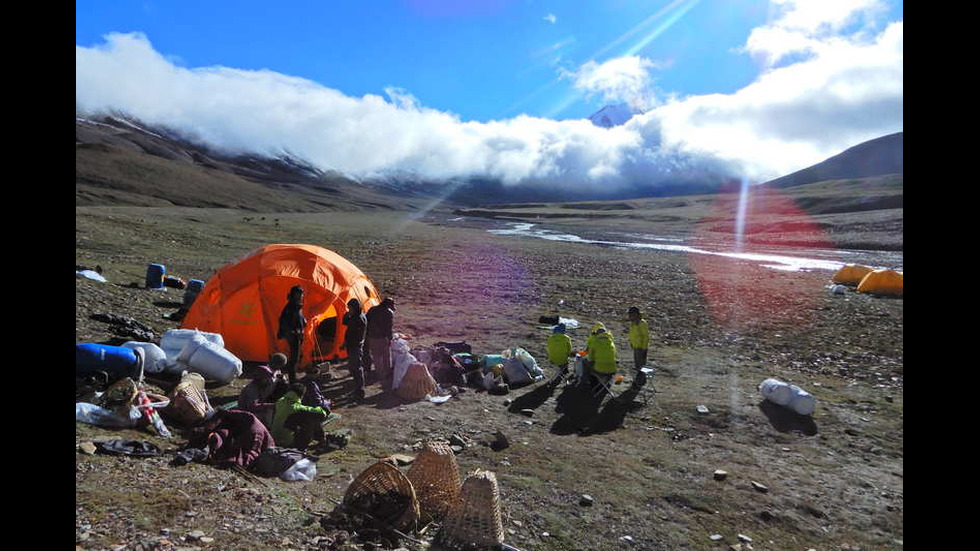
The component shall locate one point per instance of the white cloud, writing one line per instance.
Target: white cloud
(550, 18)
(847, 89)
(620, 80)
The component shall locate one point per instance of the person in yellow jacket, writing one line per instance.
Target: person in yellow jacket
(559, 350)
(639, 342)
(601, 350)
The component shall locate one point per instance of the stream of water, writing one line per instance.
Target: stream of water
(816, 259)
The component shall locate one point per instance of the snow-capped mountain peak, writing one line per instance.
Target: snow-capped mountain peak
(613, 115)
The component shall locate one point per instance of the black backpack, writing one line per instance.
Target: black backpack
(273, 461)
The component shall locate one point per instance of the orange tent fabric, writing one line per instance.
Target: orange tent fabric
(243, 300)
(851, 274)
(882, 282)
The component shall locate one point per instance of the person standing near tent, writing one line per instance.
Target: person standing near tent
(356, 323)
(601, 351)
(380, 325)
(639, 337)
(559, 349)
(291, 326)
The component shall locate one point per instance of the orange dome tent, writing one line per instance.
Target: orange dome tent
(882, 282)
(851, 274)
(243, 300)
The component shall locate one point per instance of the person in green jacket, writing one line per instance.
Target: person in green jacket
(639, 342)
(295, 425)
(559, 349)
(601, 351)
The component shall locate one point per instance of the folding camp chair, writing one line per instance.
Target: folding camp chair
(602, 385)
(646, 389)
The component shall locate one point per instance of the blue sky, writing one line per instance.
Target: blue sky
(708, 74)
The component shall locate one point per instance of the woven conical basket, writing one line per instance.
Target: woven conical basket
(474, 520)
(383, 492)
(416, 383)
(435, 476)
(189, 402)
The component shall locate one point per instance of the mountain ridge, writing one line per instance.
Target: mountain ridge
(122, 161)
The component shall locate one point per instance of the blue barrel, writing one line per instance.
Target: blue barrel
(194, 287)
(154, 276)
(117, 361)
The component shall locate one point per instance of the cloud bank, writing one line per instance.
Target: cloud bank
(819, 92)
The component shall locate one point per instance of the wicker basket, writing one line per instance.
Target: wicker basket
(189, 404)
(435, 476)
(474, 520)
(383, 492)
(416, 383)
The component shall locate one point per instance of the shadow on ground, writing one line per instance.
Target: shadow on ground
(786, 420)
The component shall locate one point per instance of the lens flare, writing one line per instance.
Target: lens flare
(753, 221)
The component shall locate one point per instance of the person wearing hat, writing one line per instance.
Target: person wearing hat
(559, 349)
(639, 337)
(258, 396)
(601, 350)
(380, 325)
(292, 324)
(356, 323)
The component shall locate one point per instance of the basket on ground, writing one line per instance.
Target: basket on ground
(435, 476)
(386, 494)
(416, 383)
(474, 519)
(189, 404)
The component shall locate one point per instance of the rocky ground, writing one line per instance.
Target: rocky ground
(720, 327)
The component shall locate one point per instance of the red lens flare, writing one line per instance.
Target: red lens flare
(743, 293)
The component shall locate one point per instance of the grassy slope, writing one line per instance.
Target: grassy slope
(835, 480)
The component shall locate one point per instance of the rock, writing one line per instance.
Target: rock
(500, 441)
(586, 500)
(716, 537)
(205, 539)
(195, 535)
(457, 440)
(401, 459)
(457, 449)
(702, 409)
(759, 487)
(527, 412)
(744, 539)
(508, 401)
(87, 448)
(720, 474)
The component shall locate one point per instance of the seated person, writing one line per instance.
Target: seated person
(295, 425)
(258, 396)
(602, 353)
(231, 437)
(559, 349)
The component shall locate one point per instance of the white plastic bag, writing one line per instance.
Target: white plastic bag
(789, 396)
(214, 362)
(515, 372)
(155, 359)
(302, 470)
(99, 416)
(173, 341)
(401, 359)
